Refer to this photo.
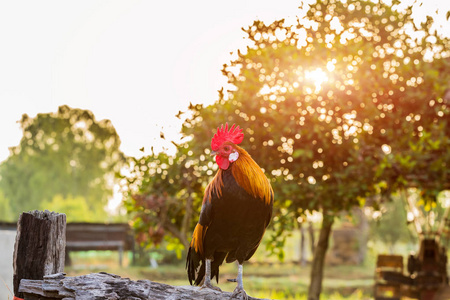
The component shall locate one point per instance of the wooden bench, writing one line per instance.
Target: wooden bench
(98, 236)
(93, 236)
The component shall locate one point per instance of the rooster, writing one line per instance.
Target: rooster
(236, 210)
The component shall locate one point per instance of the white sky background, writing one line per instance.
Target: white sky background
(134, 62)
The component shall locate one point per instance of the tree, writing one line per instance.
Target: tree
(67, 153)
(419, 157)
(76, 208)
(160, 192)
(322, 99)
(5, 209)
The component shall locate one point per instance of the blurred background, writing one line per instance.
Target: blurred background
(108, 109)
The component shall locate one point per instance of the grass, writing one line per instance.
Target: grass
(262, 280)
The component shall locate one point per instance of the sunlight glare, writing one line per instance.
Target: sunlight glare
(318, 76)
(330, 65)
(386, 149)
(115, 201)
(314, 216)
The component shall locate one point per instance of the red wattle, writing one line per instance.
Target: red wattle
(223, 162)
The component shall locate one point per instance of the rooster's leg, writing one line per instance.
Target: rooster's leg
(207, 280)
(239, 290)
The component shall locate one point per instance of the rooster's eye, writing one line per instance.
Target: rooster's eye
(227, 148)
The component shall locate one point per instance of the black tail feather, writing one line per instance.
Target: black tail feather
(218, 260)
(195, 266)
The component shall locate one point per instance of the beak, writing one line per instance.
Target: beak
(213, 153)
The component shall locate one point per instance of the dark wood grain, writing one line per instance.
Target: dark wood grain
(40, 246)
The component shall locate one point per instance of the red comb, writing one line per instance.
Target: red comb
(233, 135)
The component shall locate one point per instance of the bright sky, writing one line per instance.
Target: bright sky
(134, 62)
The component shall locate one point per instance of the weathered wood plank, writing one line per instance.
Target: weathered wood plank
(109, 286)
(40, 246)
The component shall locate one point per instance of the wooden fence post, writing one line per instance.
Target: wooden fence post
(40, 246)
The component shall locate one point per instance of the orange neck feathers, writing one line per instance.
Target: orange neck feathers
(214, 186)
(248, 175)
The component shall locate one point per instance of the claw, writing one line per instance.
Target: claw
(207, 281)
(210, 286)
(239, 292)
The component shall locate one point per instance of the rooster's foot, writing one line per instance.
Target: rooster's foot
(239, 293)
(210, 286)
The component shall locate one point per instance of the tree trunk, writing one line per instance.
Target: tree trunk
(363, 227)
(315, 286)
(40, 246)
(302, 245)
(312, 237)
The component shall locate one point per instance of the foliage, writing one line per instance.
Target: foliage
(5, 209)
(160, 192)
(420, 159)
(63, 153)
(75, 208)
(391, 227)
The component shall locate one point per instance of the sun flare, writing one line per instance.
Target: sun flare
(318, 77)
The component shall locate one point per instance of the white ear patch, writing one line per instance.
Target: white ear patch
(233, 156)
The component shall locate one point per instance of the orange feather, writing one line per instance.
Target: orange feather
(251, 177)
(247, 174)
(197, 238)
(214, 186)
